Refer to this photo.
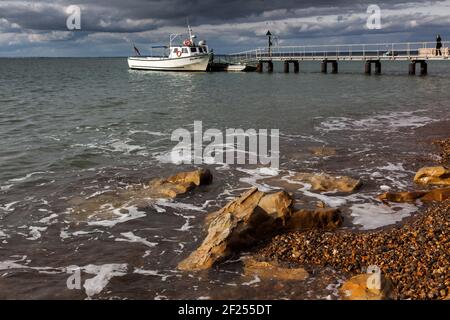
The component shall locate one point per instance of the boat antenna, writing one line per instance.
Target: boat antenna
(191, 36)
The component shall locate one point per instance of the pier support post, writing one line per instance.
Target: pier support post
(259, 66)
(323, 67)
(423, 68)
(412, 68)
(377, 67)
(296, 67)
(270, 66)
(286, 66)
(368, 67)
(334, 67)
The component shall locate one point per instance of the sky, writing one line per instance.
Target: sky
(110, 27)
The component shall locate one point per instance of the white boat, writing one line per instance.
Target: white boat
(189, 56)
(236, 67)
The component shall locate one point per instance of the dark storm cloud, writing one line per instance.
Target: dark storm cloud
(115, 15)
(108, 26)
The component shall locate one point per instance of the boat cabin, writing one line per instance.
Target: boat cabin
(187, 51)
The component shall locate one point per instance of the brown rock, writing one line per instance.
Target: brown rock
(197, 177)
(437, 195)
(433, 175)
(356, 288)
(253, 216)
(323, 151)
(326, 182)
(328, 219)
(273, 271)
(433, 195)
(402, 196)
(180, 183)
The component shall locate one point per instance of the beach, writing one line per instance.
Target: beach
(84, 143)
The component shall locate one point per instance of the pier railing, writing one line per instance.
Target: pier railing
(358, 52)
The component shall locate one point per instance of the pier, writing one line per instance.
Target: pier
(416, 53)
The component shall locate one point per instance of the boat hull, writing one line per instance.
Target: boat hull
(191, 63)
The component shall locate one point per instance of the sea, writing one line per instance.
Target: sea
(74, 133)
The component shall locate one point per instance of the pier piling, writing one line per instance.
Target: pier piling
(270, 66)
(412, 68)
(423, 68)
(334, 67)
(286, 66)
(296, 67)
(378, 67)
(368, 68)
(323, 67)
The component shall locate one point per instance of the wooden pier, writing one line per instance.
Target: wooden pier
(416, 53)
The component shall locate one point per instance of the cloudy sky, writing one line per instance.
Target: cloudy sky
(108, 27)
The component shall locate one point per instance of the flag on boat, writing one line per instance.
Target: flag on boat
(137, 50)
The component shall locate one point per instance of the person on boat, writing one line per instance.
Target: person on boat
(438, 45)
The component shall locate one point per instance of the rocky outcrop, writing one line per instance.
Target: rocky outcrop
(359, 288)
(425, 196)
(433, 175)
(321, 218)
(325, 183)
(253, 216)
(179, 183)
(102, 206)
(273, 271)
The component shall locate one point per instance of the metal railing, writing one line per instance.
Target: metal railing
(382, 51)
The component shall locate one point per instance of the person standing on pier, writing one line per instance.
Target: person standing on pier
(438, 45)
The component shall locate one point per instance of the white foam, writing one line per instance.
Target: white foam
(103, 274)
(372, 216)
(29, 175)
(258, 174)
(179, 205)
(3, 235)
(391, 121)
(9, 206)
(6, 187)
(124, 146)
(252, 282)
(35, 232)
(131, 237)
(153, 133)
(331, 201)
(48, 219)
(132, 213)
(151, 273)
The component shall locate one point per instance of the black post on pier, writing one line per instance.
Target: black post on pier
(368, 66)
(296, 67)
(324, 66)
(269, 35)
(286, 66)
(423, 67)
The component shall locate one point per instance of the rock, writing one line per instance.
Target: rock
(433, 175)
(103, 206)
(327, 219)
(325, 182)
(179, 183)
(251, 217)
(437, 195)
(401, 196)
(356, 288)
(322, 151)
(273, 271)
(425, 196)
(198, 177)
